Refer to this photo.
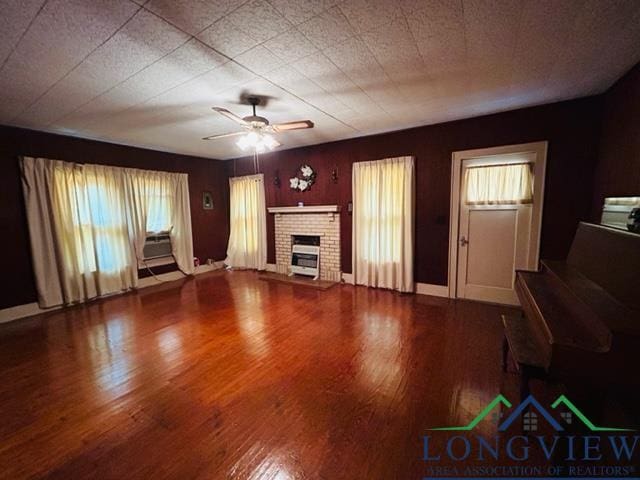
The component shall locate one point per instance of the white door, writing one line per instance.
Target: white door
(499, 237)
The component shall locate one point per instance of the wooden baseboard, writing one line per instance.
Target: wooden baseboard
(30, 309)
(433, 290)
(420, 289)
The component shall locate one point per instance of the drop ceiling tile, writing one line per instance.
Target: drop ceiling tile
(355, 60)
(394, 47)
(141, 42)
(192, 16)
(324, 73)
(15, 18)
(296, 83)
(189, 61)
(298, 11)
(491, 38)
(259, 19)
(194, 58)
(290, 46)
(203, 90)
(259, 60)
(439, 31)
(62, 34)
(544, 25)
(155, 88)
(293, 81)
(327, 29)
(366, 15)
(370, 123)
(227, 39)
(321, 71)
(584, 61)
(623, 54)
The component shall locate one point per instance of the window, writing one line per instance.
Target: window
(383, 217)
(91, 210)
(247, 246)
(160, 200)
(87, 224)
(567, 417)
(499, 184)
(530, 422)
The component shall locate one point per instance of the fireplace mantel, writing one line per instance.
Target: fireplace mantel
(306, 209)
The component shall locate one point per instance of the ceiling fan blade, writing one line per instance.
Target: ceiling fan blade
(300, 124)
(230, 116)
(224, 135)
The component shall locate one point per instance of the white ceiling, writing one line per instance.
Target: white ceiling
(146, 73)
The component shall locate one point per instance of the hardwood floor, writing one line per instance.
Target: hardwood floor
(226, 376)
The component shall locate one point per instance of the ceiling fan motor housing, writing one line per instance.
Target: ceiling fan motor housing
(256, 120)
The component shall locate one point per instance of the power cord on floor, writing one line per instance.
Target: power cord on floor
(156, 277)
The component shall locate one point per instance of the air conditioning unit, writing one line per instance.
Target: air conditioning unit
(157, 245)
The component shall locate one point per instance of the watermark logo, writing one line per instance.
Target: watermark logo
(611, 452)
(530, 418)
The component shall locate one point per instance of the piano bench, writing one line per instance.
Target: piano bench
(525, 352)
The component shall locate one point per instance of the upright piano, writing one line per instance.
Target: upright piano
(582, 315)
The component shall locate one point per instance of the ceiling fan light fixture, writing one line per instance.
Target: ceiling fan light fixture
(259, 142)
(269, 141)
(258, 137)
(247, 141)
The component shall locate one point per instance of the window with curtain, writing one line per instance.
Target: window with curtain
(90, 215)
(88, 223)
(160, 200)
(383, 220)
(499, 184)
(248, 223)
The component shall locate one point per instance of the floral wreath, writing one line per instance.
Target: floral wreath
(304, 179)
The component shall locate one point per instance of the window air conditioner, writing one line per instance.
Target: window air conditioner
(157, 245)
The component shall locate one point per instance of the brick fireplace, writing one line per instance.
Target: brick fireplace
(322, 221)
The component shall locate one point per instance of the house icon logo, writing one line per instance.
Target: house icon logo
(561, 412)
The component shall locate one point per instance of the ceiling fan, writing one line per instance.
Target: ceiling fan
(257, 132)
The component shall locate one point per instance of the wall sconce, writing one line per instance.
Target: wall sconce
(334, 175)
(276, 179)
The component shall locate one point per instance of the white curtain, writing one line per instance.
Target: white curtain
(624, 201)
(248, 223)
(499, 184)
(84, 226)
(383, 223)
(159, 202)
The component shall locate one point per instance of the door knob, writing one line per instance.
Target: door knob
(464, 242)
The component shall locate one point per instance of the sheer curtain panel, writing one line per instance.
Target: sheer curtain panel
(87, 225)
(383, 223)
(499, 184)
(248, 223)
(159, 202)
(78, 230)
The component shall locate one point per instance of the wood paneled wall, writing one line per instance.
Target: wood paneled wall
(572, 129)
(618, 171)
(210, 227)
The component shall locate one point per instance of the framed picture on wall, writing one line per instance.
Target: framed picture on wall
(207, 201)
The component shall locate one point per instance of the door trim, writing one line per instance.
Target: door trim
(539, 148)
